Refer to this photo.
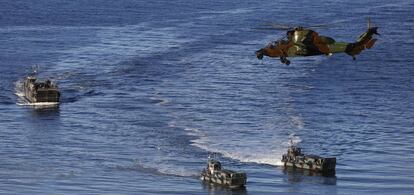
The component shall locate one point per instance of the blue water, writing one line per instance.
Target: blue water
(151, 89)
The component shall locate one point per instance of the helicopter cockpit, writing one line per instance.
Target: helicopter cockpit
(282, 41)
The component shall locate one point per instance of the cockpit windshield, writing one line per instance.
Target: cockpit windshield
(283, 40)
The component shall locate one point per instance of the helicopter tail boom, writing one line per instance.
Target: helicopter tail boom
(365, 41)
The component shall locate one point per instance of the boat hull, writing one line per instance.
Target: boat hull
(38, 93)
(230, 182)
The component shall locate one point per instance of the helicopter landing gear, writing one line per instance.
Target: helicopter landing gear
(284, 60)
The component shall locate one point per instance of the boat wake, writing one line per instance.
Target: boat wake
(294, 140)
(159, 170)
(18, 88)
(270, 155)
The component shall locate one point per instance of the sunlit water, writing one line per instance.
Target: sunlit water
(151, 90)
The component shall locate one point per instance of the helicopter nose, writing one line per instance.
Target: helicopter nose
(259, 54)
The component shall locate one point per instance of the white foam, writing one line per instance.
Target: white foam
(294, 140)
(272, 158)
(244, 154)
(161, 169)
(38, 104)
(176, 171)
(19, 94)
(297, 121)
(18, 86)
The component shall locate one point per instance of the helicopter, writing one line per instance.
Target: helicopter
(301, 41)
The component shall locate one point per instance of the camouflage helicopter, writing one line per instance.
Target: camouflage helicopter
(301, 41)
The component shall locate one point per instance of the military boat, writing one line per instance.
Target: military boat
(296, 159)
(215, 174)
(36, 91)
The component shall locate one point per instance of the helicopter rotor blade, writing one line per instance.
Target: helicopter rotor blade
(320, 26)
(268, 25)
(264, 28)
(369, 22)
(275, 26)
(280, 26)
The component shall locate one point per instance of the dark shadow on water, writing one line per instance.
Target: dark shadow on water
(212, 188)
(302, 175)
